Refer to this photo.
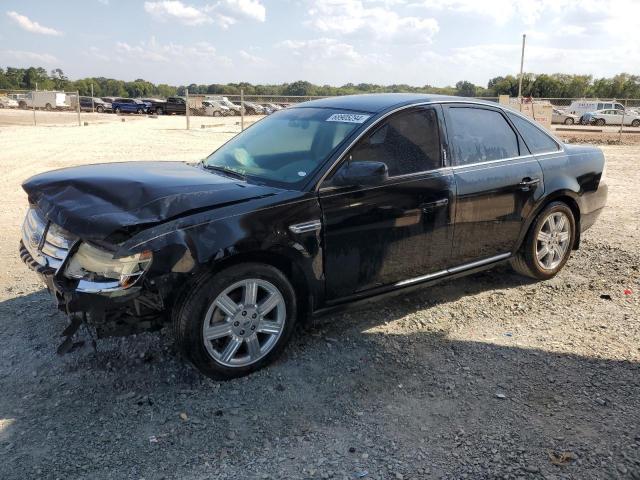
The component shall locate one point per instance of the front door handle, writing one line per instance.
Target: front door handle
(430, 206)
(527, 182)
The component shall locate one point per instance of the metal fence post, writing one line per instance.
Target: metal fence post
(93, 109)
(78, 107)
(33, 107)
(241, 110)
(622, 123)
(186, 106)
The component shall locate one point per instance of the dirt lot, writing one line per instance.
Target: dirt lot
(490, 376)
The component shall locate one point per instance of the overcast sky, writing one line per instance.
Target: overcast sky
(435, 42)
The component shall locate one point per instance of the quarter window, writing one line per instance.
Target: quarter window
(409, 142)
(480, 135)
(534, 137)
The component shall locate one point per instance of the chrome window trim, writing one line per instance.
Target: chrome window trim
(318, 187)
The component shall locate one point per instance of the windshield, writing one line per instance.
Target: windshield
(287, 146)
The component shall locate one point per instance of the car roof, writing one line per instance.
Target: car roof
(378, 102)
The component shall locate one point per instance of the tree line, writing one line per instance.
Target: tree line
(557, 85)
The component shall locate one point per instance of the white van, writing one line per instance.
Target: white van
(580, 107)
(44, 99)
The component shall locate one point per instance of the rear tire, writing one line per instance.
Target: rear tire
(569, 121)
(100, 109)
(635, 123)
(47, 107)
(600, 122)
(548, 243)
(243, 338)
(159, 111)
(117, 110)
(140, 111)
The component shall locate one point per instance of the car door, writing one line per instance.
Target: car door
(498, 182)
(382, 235)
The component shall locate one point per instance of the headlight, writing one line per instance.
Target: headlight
(95, 264)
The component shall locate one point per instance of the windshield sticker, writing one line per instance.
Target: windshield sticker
(348, 118)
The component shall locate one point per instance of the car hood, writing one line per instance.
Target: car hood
(98, 201)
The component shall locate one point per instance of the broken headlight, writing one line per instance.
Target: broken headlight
(97, 265)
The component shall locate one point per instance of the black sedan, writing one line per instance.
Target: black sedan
(318, 206)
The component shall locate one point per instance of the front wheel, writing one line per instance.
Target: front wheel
(635, 123)
(100, 109)
(159, 111)
(548, 243)
(236, 321)
(600, 122)
(568, 121)
(117, 110)
(140, 111)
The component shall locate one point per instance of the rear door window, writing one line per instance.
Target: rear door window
(480, 135)
(537, 140)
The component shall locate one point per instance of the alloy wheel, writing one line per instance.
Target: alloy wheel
(244, 322)
(553, 240)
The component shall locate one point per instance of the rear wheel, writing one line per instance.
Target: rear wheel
(600, 122)
(216, 113)
(100, 109)
(236, 321)
(635, 123)
(548, 243)
(47, 107)
(139, 111)
(569, 121)
(159, 111)
(117, 110)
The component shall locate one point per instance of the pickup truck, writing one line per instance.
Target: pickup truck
(171, 105)
(128, 105)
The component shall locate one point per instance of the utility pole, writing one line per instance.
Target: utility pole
(524, 37)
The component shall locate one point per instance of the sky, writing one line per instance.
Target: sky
(417, 42)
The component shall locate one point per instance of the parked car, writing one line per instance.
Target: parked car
(43, 99)
(172, 105)
(94, 104)
(6, 102)
(128, 105)
(235, 109)
(560, 116)
(253, 108)
(580, 107)
(614, 117)
(213, 108)
(318, 206)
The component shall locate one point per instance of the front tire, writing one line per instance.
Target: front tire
(159, 111)
(600, 122)
(635, 123)
(548, 244)
(569, 121)
(235, 321)
(117, 110)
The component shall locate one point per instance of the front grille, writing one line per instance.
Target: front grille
(47, 243)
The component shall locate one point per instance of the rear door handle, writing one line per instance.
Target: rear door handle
(430, 206)
(528, 182)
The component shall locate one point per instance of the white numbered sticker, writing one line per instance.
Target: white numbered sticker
(348, 118)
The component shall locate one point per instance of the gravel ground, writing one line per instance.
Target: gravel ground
(490, 376)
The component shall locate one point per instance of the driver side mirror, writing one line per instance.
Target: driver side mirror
(363, 173)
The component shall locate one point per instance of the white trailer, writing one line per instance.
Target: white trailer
(45, 100)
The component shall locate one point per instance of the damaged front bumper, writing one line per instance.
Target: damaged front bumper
(111, 308)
